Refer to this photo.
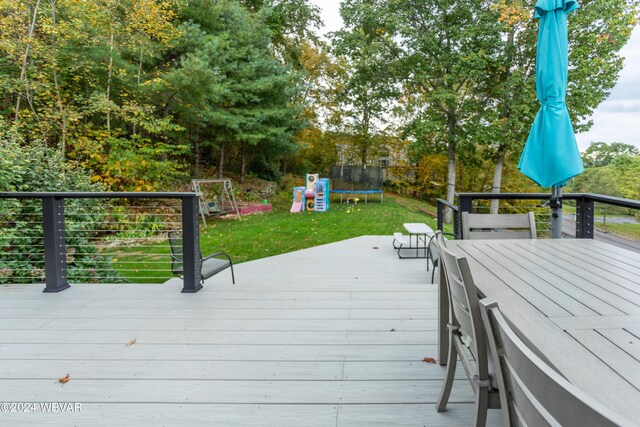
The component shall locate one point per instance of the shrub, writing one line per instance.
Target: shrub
(37, 168)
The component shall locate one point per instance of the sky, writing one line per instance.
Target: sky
(617, 119)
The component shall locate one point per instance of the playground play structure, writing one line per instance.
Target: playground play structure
(313, 197)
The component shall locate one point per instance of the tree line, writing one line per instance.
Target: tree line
(460, 76)
(145, 93)
(612, 169)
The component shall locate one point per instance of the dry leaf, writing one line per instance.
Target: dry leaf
(132, 342)
(65, 379)
(392, 330)
(429, 360)
(375, 247)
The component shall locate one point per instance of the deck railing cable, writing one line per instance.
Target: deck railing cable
(583, 203)
(66, 238)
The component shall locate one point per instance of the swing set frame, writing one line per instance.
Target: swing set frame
(224, 200)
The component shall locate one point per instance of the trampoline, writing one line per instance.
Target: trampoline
(364, 193)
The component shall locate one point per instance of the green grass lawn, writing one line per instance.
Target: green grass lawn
(279, 232)
(599, 211)
(630, 231)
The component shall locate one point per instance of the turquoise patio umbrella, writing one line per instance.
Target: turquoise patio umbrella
(550, 156)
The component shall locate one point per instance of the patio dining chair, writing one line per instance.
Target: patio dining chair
(498, 226)
(534, 393)
(434, 254)
(209, 266)
(467, 338)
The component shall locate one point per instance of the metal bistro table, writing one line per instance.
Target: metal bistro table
(420, 233)
(576, 302)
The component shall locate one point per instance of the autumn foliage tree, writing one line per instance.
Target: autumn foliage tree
(466, 70)
(137, 90)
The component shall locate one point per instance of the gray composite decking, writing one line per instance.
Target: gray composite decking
(329, 336)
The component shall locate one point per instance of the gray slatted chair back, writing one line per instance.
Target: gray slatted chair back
(463, 301)
(175, 242)
(498, 226)
(434, 252)
(535, 394)
(466, 331)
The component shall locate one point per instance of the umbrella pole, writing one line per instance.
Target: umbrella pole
(556, 213)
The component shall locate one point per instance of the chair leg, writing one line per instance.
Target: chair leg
(481, 406)
(449, 375)
(433, 273)
(428, 258)
(233, 277)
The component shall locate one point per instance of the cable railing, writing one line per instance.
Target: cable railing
(66, 238)
(587, 211)
(448, 216)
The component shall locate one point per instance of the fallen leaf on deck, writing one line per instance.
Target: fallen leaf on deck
(429, 360)
(65, 379)
(132, 342)
(392, 330)
(375, 247)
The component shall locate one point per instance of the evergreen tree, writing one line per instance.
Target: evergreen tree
(229, 88)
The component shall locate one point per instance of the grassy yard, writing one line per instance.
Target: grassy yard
(630, 231)
(279, 231)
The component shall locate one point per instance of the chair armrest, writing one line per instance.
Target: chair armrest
(444, 234)
(218, 254)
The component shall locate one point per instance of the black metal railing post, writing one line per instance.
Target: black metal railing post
(440, 214)
(55, 249)
(584, 218)
(465, 201)
(191, 245)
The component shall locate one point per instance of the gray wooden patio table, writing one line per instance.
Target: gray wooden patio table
(575, 301)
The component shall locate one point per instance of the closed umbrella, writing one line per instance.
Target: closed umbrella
(550, 156)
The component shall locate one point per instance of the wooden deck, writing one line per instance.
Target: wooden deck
(329, 336)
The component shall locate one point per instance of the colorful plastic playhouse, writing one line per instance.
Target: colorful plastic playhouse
(313, 197)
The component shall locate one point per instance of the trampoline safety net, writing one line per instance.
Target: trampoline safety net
(349, 177)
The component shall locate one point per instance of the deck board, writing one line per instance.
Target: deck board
(340, 345)
(225, 370)
(157, 324)
(41, 336)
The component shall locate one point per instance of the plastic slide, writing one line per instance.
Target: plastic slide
(297, 202)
